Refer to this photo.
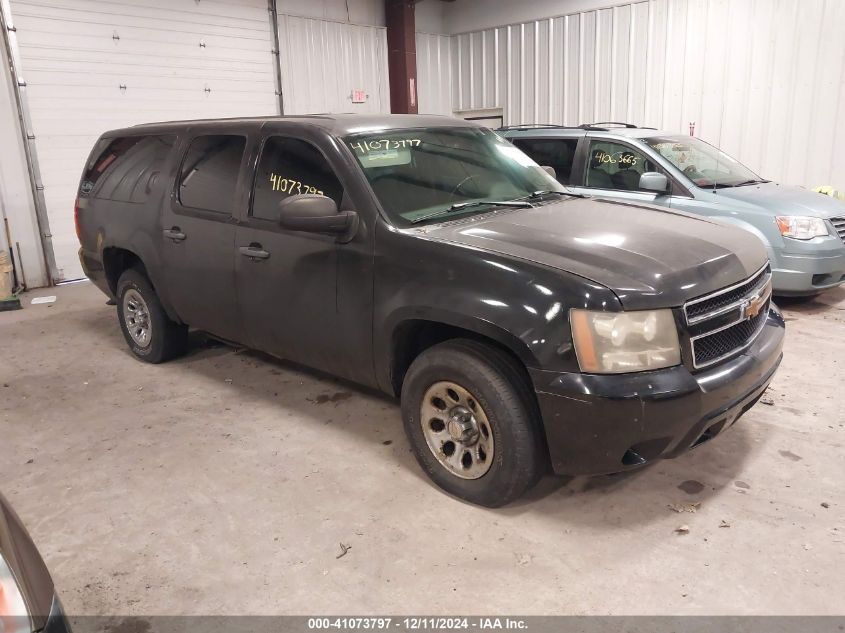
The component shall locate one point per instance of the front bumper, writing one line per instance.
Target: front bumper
(808, 267)
(599, 424)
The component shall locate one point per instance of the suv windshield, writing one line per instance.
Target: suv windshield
(702, 163)
(426, 173)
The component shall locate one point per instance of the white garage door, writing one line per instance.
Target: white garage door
(333, 66)
(94, 65)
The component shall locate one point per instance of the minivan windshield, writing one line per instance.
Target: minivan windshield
(423, 174)
(702, 163)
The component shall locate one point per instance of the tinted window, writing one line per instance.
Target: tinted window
(288, 167)
(126, 169)
(557, 153)
(210, 173)
(616, 166)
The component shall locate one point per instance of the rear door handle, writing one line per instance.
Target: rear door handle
(254, 251)
(174, 234)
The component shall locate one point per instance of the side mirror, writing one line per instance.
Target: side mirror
(313, 213)
(652, 181)
(550, 171)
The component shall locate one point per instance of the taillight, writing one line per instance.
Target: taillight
(76, 220)
(14, 617)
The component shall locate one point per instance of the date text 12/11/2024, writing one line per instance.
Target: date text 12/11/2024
(417, 623)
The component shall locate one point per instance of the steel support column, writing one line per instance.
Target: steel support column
(401, 55)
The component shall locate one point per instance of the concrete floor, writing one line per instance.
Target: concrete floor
(224, 482)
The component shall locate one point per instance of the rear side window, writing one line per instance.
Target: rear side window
(551, 152)
(209, 173)
(288, 167)
(126, 169)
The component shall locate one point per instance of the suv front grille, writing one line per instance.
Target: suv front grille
(703, 308)
(839, 225)
(725, 322)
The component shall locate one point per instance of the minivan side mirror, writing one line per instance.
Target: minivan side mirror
(313, 213)
(550, 171)
(653, 181)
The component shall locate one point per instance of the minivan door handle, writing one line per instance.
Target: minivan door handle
(254, 251)
(174, 234)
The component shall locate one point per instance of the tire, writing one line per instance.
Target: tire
(164, 339)
(505, 461)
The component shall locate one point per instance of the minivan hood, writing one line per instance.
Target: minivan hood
(649, 256)
(785, 200)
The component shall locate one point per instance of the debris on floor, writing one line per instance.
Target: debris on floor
(767, 401)
(343, 549)
(682, 529)
(39, 300)
(724, 524)
(825, 504)
(684, 507)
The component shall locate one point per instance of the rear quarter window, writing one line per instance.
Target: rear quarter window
(125, 169)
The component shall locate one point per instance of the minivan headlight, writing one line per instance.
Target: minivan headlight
(14, 617)
(619, 342)
(801, 227)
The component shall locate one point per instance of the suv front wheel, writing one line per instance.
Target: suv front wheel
(468, 414)
(148, 331)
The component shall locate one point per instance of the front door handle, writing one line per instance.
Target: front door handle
(174, 234)
(254, 251)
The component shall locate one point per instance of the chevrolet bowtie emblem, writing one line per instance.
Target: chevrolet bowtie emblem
(754, 305)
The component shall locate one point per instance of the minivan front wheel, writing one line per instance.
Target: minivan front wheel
(148, 331)
(469, 416)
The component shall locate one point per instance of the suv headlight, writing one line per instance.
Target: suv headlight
(800, 227)
(14, 618)
(619, 342)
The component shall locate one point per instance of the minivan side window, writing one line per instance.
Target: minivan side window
(209, 172)
(551, 152)
(288, 167)
(125, 169)
(616, 166)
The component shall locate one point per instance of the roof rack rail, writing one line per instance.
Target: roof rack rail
(603, 123)
(534, 126)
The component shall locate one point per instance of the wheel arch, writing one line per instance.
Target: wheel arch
(117, 260)
(411, 336)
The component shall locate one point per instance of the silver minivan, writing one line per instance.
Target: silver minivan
(803, 231)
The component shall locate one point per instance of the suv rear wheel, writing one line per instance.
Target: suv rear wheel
(148, 331)
(468, 414)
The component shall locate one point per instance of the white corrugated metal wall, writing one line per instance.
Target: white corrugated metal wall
(92, 65)
(324, 61)
(434, 73)
(762, 79)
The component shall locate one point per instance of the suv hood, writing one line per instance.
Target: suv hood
(786, 200)
(649, 256)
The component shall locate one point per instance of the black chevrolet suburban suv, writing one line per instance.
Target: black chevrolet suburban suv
(522, 325)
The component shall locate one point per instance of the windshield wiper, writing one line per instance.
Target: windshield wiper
(545, 192)
(752, 181)
(460, 206)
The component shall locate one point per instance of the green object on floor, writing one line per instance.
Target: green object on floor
(10, 303)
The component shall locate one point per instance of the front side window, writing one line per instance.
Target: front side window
(558, 153)
(616, 166)
(288, 167)
(125, 169)
(420, 173)
(702, 163)
(209, 173)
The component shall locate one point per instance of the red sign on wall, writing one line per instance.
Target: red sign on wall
(359, 96)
